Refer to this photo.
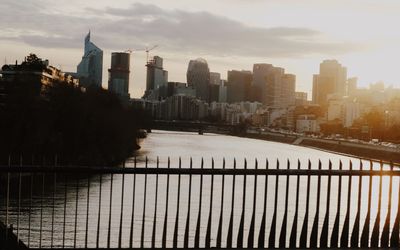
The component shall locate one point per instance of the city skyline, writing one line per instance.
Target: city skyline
(283, 33)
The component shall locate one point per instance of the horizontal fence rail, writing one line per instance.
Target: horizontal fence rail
(273, 204)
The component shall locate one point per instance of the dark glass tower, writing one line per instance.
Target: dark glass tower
(118, 80)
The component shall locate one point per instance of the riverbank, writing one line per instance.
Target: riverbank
(369, 151)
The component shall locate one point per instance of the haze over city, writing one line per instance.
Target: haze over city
(296, 35)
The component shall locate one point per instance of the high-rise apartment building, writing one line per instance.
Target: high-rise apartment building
(239, 85)
(118, 80)
(288, 90)
(273, 92)
(332, 79)
(351, 86)
(157, 77)
(259, 84)
(222, 91)
(198, 77)
(215, 80)
(301, 98)
(90, 69)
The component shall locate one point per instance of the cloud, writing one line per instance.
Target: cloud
(176, 31)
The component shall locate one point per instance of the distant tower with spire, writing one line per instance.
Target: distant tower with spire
(90, 69)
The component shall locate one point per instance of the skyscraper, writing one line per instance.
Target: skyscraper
(288, 90)
(198, 77)
(90, 69)
(215, 80)
(157, 77)
(239, 85)
(273, 91)
(118, 80)
(259, 84)
(331, 79)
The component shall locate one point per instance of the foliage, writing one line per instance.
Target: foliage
(82, 128)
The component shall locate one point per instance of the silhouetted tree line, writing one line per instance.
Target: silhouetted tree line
(89, 127)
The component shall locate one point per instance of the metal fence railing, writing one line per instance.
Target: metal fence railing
(176, 205)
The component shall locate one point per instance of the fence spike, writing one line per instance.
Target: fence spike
(386, 227)
(356, 228)
(376, 228)
(187, 229)
(219, 234)
(304, 229)
(110, 212)
(272, 234)
(30, 207)
(164, 235)
(282, 236)
(176, 229)
(250, 238)
(314, 230)
(153, 235)
(325, 227)
(133, 208)
(344, 239)
(241, 223)
(198, 225)
(364, 242)
(19, 202)
(41, 209)
(122, 206)
(230, 227)
(208, 232)
(394, 240)
(65, 210)
(293, 233)
(261, 235)
(335, 230)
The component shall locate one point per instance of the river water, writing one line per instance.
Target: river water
(186, 146)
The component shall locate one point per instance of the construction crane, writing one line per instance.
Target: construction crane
(147, 52)
(131, 50)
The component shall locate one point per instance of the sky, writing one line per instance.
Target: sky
(230, 34)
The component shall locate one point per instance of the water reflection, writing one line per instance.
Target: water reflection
(189, 145)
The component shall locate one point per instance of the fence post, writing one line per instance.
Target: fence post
(164, 237)
(325, 227)
(335, 231)
(293, 233)
(250, 239)
(356, 228)
(221, 215)
(197, 233)
(386, 227)
(376, 229)
(175, 239)
(153, 235)
(282, 236)
(272, 234)
(241, 224)
(208, 233)
(304, 229)
(261, 235)
(314, 230)
(230, 228)
(344, 239)
(187, 227)
(364, 242)
(394, 240)
(133, 206)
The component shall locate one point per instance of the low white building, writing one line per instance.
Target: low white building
(307, 124)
